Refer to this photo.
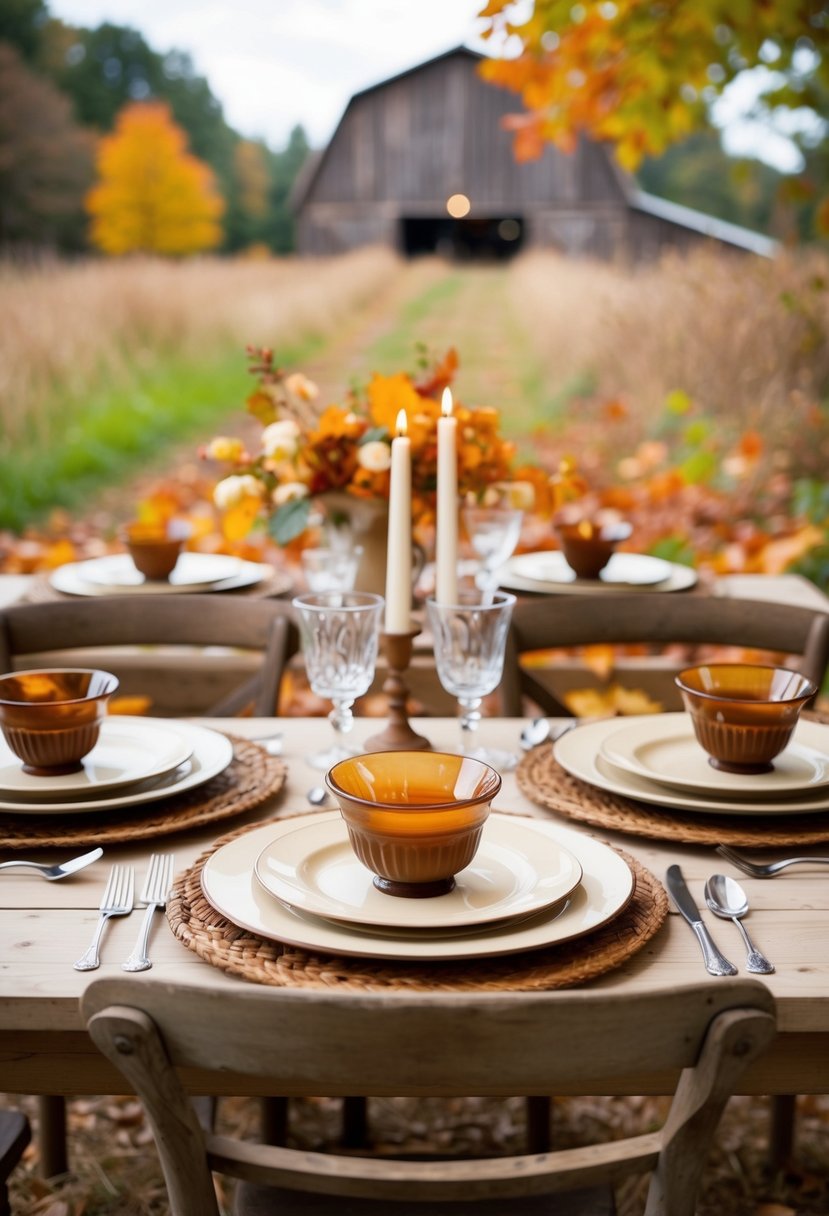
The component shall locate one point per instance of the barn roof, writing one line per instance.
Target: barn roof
(700, 221)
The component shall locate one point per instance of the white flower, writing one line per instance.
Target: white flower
(301, 387)
(374, 456)
(230, 492)
(280, 440)
(289, 491)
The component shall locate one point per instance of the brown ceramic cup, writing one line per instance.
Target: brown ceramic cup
(588, 547)
(743, 714)
(155, 548)
(414, 818)
(52, 719)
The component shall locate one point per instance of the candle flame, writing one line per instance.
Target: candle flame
(446, 405)
(585, 529)
(402, 423)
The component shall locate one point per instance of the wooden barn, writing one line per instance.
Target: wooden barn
(420, 162)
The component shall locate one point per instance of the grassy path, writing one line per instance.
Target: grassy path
(429, 303)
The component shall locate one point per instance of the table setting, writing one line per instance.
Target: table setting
(116, 777)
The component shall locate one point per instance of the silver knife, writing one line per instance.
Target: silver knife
(715, 963)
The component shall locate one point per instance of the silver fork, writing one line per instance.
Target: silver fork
(117, 901)
(154, 894)
(767, 869)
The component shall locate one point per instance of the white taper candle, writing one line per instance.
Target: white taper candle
(399, 559)
(446, 556)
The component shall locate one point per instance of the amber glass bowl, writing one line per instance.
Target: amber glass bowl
(743, 714)
(51, 719)
(588, 547)
(414, 818)
(155, 548)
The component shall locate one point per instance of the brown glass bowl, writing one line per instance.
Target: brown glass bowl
(51, 719)
(155, 548)
(588, 547)
(743, 714)
(414, 818)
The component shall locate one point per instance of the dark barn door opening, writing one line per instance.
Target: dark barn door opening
(465, 240)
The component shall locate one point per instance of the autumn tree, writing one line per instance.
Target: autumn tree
(642, 75)
(46, 160)
(153, 195)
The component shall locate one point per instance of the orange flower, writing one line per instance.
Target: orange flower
(337, 423)
(387, 395)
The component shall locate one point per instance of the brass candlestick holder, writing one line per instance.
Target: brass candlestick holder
(398, 735)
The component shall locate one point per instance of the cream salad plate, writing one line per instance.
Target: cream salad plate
(129, 750)
(210, 754)
(515, 872)
(548, 571)
(194, 572)
(230, 885)
(581, 753)
(663, 748)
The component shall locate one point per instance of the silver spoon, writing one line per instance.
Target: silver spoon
(534, 732)
(317, 795)
(726, 898)
(51, 873)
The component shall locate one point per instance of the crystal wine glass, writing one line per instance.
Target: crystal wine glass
(469, 639)
(493, 533)
(339, 632)
(330, 569)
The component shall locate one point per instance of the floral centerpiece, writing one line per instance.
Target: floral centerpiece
(314, 455)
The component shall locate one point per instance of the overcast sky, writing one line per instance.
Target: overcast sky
(276, 63)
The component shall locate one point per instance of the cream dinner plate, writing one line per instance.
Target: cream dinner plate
(548, 572)
(72, 579)
(129, 750)
(192, 570)
(211, 754)
(580, 753)
(230, 885)
(663, 748)
(516, 871)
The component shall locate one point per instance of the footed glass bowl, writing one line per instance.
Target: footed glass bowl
(743, 714)
(51, 719)
(414, 818)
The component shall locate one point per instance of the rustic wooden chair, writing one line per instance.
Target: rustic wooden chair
(261, 625)
(697, 1040)
(554, 621)
(15, 1134)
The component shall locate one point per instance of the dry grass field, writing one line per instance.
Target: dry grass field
(65, 329)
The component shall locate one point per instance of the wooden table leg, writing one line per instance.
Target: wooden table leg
(51, 1135)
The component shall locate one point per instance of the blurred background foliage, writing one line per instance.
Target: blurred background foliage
(63, 87)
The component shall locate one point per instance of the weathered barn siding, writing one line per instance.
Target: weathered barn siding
(404, 146)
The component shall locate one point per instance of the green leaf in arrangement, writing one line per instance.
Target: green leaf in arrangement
(289, 520)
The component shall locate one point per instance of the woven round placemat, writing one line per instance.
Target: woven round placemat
(542, 779)
(250, 778)
(214, 938)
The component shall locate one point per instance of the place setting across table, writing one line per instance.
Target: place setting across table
(71, 773)
(156, 561)
(741, 764)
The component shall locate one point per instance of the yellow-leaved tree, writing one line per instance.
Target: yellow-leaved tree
(152, 196)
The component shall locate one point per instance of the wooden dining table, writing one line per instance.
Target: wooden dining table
(45, 926)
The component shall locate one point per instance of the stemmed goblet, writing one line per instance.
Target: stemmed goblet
(339, 632)
(469, 640)
(493, 533)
